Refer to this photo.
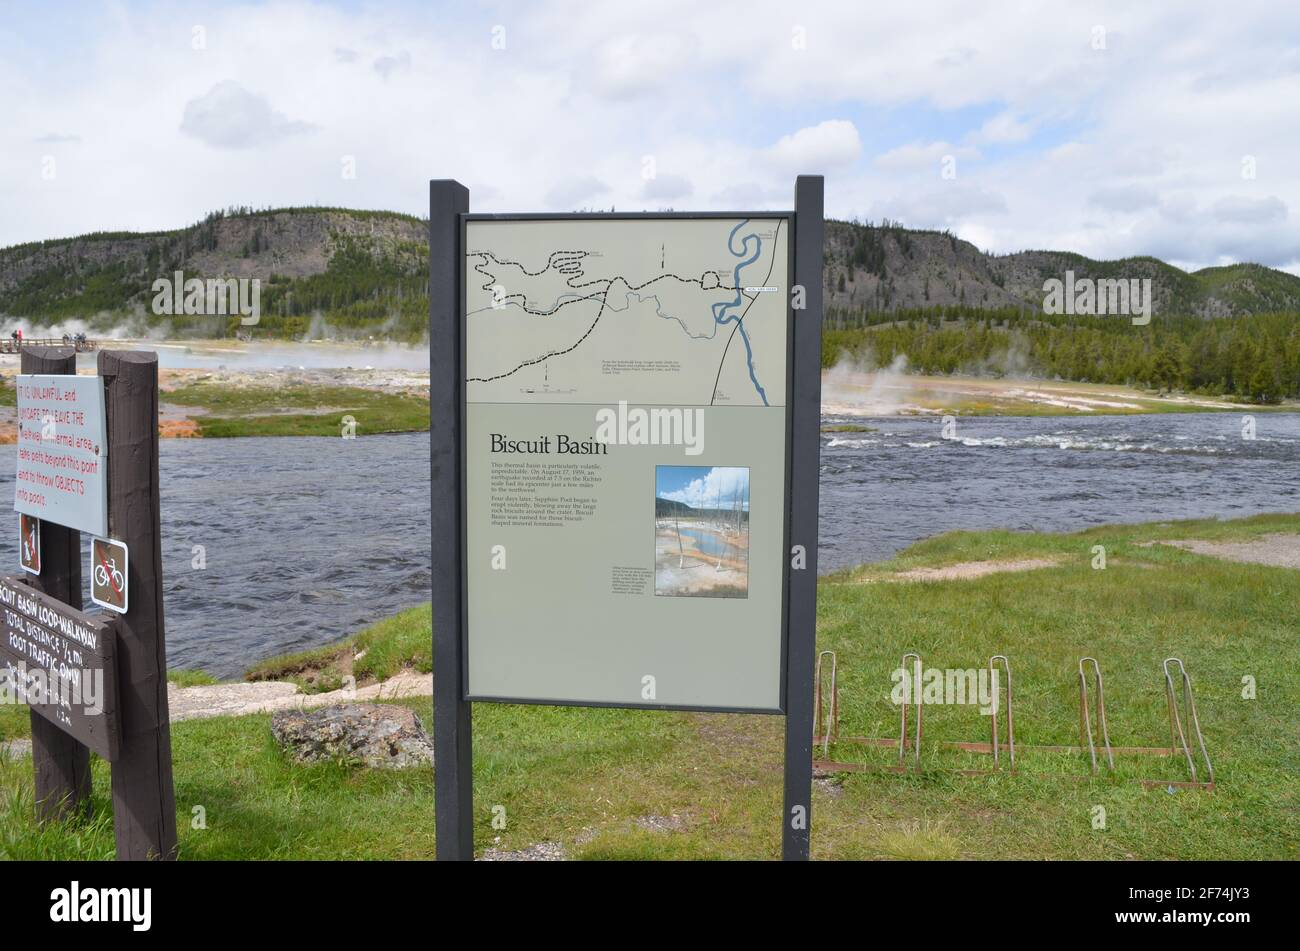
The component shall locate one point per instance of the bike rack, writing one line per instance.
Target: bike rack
(1085, 721)
(913, 687)
(1176, 722)
(826, 728)
(1011, 730)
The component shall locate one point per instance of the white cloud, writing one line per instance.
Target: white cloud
(1124, 198)
(228, 116)
(925, 156)
(1003, 128)
(716, 489)
(1240, 209)
(1058, 145)
(567, 195)
(635, 65)
(667, 187)
(827, 145)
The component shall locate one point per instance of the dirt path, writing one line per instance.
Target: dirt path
(962, 571)
(267, 696)
(1279, 551)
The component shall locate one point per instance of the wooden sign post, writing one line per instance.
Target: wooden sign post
(144, 802)
(130, 649)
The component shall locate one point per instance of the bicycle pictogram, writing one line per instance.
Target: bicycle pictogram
(108, 574)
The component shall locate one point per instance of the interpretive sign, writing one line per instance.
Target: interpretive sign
(60, 662)
(62, 451)
(624, 435)
(626, 442)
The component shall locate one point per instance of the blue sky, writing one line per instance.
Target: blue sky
(1109, 129)
(703, 486)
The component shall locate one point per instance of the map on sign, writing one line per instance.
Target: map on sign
(598, 311)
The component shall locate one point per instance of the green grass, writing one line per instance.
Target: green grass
(583, 777)
(403, 641)
(190, 678)
(268, 411)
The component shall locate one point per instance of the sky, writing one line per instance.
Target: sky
(1109, 129)
(703, 486)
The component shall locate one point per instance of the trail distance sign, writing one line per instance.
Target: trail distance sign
(62, 451)
(59, 661)
(626, 441)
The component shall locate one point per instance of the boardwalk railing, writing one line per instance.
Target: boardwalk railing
(10, 345)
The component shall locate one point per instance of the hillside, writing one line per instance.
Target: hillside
(886, 268)
(347, 273)
(360, 272)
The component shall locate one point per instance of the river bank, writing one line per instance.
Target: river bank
(229, 388)
(636, 784)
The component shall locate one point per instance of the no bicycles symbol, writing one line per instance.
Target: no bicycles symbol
(29, 543)
(108, 560)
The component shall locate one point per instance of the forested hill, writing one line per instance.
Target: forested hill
(360, 273)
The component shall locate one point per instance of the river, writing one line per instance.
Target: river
(304, 541)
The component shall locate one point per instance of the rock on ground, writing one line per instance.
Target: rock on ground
(380, 736)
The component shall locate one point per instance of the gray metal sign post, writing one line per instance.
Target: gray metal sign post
(453, 765)
(805, 471)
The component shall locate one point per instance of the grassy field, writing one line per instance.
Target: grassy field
(298, 410)
(641, 784)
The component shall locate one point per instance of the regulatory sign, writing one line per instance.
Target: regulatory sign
(60, 662)
(626, 434)
(62, 451)
(29, 544)
(108, 584)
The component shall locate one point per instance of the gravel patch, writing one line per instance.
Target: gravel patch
(540, 852)
(673, 823)
(962, 571)
(13, 749)
(268, 696)
(1279, 551)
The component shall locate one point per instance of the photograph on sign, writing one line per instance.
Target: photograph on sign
(625, 455)
(702, 531)
(108, 586)
(62, 451)
(29, 544)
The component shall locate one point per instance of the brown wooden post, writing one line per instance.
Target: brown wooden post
(144, 802)
(60, 763)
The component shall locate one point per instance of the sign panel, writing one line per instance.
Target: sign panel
(626, 450)
(108, 584)
(62, 451)
(60, 661)
(29, 544)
